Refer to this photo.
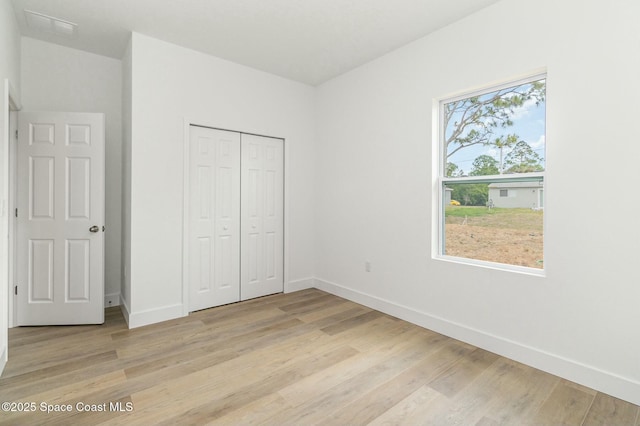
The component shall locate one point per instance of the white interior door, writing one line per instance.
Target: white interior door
(214, 217)
(262, 212)
(60, 218)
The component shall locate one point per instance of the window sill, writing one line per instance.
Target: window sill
(492, 265)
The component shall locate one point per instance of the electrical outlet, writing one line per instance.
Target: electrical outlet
(367, 265)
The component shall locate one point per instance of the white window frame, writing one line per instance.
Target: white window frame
(441, 180)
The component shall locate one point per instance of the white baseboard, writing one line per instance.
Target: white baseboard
(586, 375)
(152, 316)
(298, 285)
(124, 307)
(112, 299)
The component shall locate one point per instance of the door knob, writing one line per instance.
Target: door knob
(94, 228)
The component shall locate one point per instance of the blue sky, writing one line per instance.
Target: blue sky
(529, 125)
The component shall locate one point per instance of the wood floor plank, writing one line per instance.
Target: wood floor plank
(78, 344)
(460, 374)
(152, 332)
(245, 320)
(345, 393)
(607, 410)
(47, 335)
(120, 392)
(513, 391)
(333, 319)
(486, 421)
(59, 395)
(210, 382)
(79, 389)
(228, 382)
(288, 359)
(330, 308)
(233, 337)
(367, 337)
(307, 389)
(395, 342)
(373, 403)
(465, 403)
(197, 359)
(348, 323)
(253, 413)
(306, 305)
(566, 405)
(404, 412)
(249, 393)
(24, 384)
(222, 347)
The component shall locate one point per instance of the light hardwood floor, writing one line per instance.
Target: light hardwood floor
(297, 359)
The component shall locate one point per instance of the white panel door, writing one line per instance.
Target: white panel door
(214, 218)
(262, 212)
(60, 234)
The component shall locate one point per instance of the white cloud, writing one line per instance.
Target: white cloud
(518, 112)
(540, 143)
(523, 110)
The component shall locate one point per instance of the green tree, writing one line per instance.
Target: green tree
(480, 120)
(523, 159)
(485, 165)
(453, 170)
(470, 194)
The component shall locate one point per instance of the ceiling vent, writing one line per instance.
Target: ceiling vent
(49, 24)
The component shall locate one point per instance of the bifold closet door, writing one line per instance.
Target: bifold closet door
(214, 218)
(262, 210)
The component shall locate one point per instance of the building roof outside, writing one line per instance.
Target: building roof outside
(503, 185)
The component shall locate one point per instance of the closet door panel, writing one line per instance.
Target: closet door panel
(262, 212)
(214, 218)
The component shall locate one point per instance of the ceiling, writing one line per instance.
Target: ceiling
(310, 41)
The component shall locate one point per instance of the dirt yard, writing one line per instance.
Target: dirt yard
(511, 236)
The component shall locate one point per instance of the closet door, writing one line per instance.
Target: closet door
(262, 213)
(214, 218)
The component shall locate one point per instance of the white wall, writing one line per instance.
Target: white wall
(9, 45)
(9, 70)
(57, 78)
(374, 188)
(125, 289)
(170, 83)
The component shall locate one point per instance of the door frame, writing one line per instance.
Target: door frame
(188, 122)
(11, 105)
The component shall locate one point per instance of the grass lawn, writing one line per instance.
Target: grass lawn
(511, 236)
(496, 217)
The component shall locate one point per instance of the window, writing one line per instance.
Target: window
(491, 175)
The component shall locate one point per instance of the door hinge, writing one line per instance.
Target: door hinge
(15, 290)
(16, 134)
(16, 212)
